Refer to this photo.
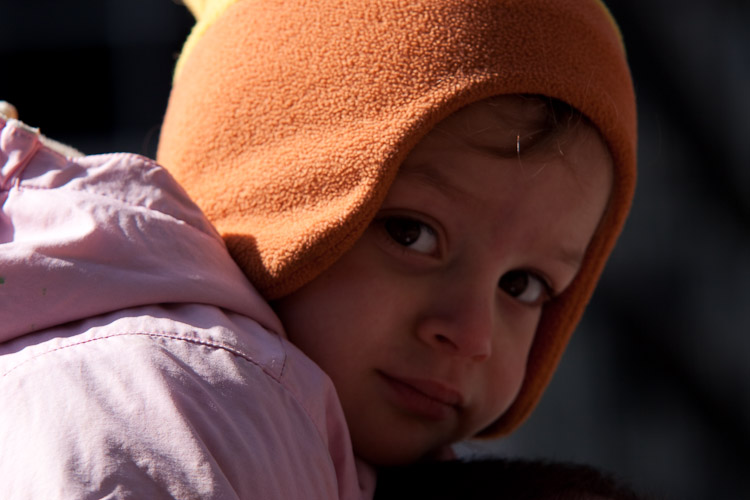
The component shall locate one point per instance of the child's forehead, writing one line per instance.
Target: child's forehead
(508, 126)
(502, 112)
(504, 143)
(504, 126)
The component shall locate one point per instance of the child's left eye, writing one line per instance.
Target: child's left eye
(412, 234)
(525, 287)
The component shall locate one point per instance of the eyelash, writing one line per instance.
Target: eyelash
(425, 229)
(547, 293)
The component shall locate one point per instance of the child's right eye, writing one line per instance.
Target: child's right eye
(412, 234)
(526, 287)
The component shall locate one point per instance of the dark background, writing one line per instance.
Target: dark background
(656, 383)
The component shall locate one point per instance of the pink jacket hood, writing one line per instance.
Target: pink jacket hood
(111, 248)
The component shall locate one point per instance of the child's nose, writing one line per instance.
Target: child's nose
(461, 324)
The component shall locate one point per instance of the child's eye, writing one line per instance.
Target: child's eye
(525, 287)
(412, 234)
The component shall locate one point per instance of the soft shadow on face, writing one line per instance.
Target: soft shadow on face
(425, 325)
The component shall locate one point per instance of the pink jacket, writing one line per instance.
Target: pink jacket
(136, 360)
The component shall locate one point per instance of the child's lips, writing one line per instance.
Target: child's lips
(428, 398)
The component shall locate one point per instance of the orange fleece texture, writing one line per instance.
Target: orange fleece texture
(289, 119)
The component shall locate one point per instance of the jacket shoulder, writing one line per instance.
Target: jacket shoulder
(165, 408)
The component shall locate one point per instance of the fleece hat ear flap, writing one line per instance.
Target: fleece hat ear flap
(289, 119)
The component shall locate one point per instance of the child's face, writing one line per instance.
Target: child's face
(425, 324)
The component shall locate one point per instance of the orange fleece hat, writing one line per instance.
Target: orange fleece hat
(288, 121)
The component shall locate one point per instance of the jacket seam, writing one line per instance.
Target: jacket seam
(216, 345)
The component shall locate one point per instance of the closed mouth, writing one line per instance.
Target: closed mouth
(427, 398)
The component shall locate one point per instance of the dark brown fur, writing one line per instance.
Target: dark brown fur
(500, 479)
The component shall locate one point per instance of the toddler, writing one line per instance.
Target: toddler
(389, 219)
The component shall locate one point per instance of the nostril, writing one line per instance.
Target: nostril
(455, 338)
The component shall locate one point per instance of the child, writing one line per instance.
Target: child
(422, 233)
